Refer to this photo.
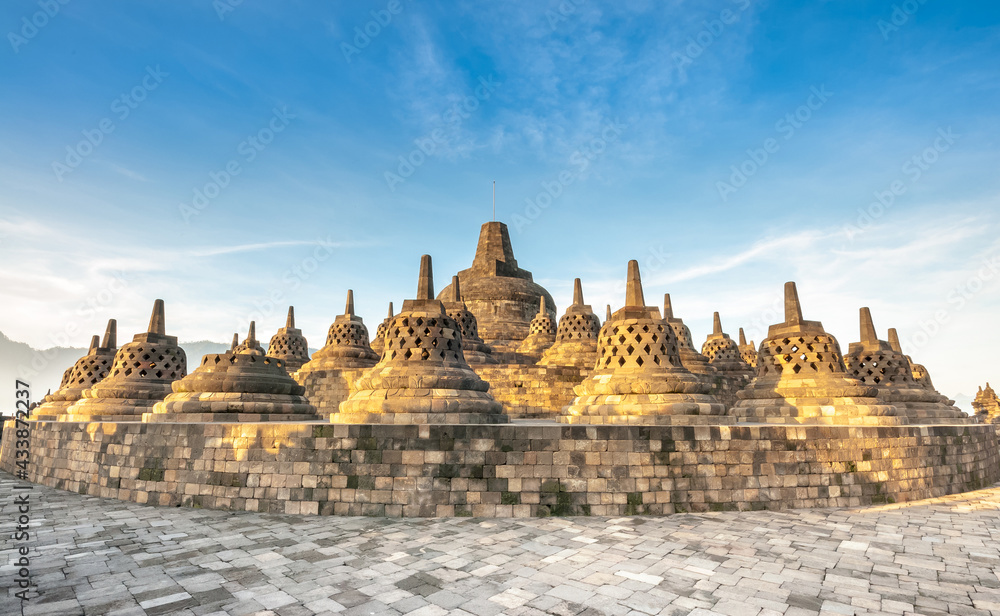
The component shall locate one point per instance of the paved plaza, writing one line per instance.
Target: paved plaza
(100, 556)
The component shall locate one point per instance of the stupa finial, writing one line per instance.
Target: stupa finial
(633, 286)
(425, 285)
(607, 315)
(236, 341)
(95, 340)
(743, 338)
(349, 307)
(894, 340)
(541, 305)
(390, 310)
(793, 309)
(157, 320)
(868, 334)
(668, 309)
(456, 291)
(110, 335)
(716, 323)
(252, 333)
(290, 319)
(577, 292)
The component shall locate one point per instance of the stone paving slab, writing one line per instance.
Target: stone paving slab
(99, 556)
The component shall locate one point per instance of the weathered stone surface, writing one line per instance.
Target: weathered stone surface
(639, 377)
(875, 362)
(242, 384)
(379, 341)
(501, 295)
(724, 354)
(576, 337)
(692, 359)
(801, 378)
(88, 371)
(987, 405)
(423, 376)
(289, 345)
(475, 350)
(748, 352)
(330, 375)
(541, 334)
(141, 376)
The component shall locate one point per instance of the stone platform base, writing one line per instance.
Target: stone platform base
(326, 389)
(506, 470)
(228, 417)
(648, 420)
(530, 391)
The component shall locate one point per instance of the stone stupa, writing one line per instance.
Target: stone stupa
(801, 378)
(875, 362)
(423, 377)
(477, 352)
(724, 354)
(379, 340)
(748, 351)
(541, 334)
(330, 374)
(289, 345)
(503, 296)
(140, 376)
(241, 385)
(576, 337)
(86, 372)
(693, 360)
(987, 405)
(639, 377)
(920, 373)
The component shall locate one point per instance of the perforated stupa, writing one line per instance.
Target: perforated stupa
(639, 377)
(692, 359)
(801, 378)
(242, 385)
(140, 376)
(875, 362)
(86, 372)
(423, 376)
(724, 354)
(476, 351)
(576, 337)
(329, 375)
(748, 352)
(379, 340)
(289, 345)
(542, 333)
(920, 373)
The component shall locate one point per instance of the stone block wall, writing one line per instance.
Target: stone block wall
(507, 470)
(532, 391)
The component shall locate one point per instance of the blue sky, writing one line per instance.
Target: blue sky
(233, 158)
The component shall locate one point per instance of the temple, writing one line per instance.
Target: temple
(82, 375)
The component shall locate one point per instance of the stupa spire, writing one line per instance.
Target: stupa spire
(110, 335)
(668, 309)
(456, 291)
(349, 306)
(236, 341)
(577, 292)
(95, 341)
(717, 324)
(633, 286)
(290, 319)
(157, 320)
(894, 340)
(743, 338)
(793, 309)
(868, 334)
(425, 284)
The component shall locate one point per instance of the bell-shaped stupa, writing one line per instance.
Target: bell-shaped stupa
(875, 362)
(801, 378)
(240, 385)
(476, 351)
(289, 345)
(503, 296)
(379, 341)
(987, 405)
(88, 371)
(576, 337)
(423, 377)
(724, 354)
(920, 373)
(692, 359)
(331, 372)
(542, 333)
(748, 352)
(639, 377)
(140, 376)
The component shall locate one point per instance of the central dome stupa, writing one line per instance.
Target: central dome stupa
(501, 295)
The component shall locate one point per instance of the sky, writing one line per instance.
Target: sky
(235, 157)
